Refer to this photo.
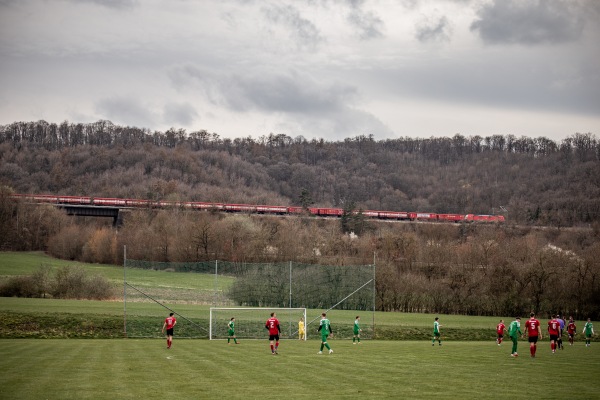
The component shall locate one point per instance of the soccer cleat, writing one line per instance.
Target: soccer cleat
(330, 351)
(320, 352)
(353, 342)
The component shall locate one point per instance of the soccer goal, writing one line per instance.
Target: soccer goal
(250, 322)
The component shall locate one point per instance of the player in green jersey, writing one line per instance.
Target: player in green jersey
(436, 332)
(357, 330)
(231, 331)
(514, 331)
(588, 331)
(325, 329)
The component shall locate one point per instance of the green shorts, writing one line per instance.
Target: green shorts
(231, 333)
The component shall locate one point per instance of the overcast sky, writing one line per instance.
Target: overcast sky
(327, 69)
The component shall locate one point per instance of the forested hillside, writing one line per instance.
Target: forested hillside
(546, 257)
(530, 180)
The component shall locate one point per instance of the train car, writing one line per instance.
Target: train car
(370, 213)
(107, 201)
(248, 208)
(484, 218)
(137, 203)
(451, 217)
(41, 198)
(198, 205)
(425, 216)
(328, 212)
(279, 210)
(296, 210)
(398, 215)
(80, 200)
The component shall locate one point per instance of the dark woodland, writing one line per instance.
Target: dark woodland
(546, 257)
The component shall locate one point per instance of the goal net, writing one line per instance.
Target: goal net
(250, 322)
(233, 289)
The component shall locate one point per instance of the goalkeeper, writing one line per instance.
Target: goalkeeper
(325, 329)
(301, 331)
(231, 331)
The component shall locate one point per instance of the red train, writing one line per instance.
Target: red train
(252, 209)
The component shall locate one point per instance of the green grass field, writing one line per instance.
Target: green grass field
(43, 353)
(201, 369)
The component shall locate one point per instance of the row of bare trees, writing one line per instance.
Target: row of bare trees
(447, 268)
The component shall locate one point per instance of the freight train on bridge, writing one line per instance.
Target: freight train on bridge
(118, 203)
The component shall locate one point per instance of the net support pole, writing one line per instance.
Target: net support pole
(374, 296)
(215, 301)
(291, 326)
(124, 290)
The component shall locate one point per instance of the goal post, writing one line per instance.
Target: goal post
(250, 322)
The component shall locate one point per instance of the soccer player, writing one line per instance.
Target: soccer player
(301, 331)
(325, 329)
(500, 329)
(514, 331)
(436, 332)
(534, 332)
(169, 324)
(274, 329)
(588, 330)
(562, 324)
(357, 330)
(231, 331)
(571, 330)
(554, 332)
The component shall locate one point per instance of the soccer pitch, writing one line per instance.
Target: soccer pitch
(202, 369)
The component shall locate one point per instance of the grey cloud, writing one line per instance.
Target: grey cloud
(369, 25)
(123, 110)
(529, 22)
(274, 92)
(433, 30)
(179, 113)
(115, 4)
(303, 31)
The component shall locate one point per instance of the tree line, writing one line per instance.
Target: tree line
(438, 268)
(530, 180)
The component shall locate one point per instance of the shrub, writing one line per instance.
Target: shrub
(65, 283)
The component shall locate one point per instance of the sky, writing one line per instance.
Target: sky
(328, 69)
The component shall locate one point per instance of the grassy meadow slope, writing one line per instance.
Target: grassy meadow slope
(190, 295)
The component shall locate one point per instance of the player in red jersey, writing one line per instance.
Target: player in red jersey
(169, 324)
(571, 330)
(273, 326)
(534, 332)
(554, 332)
(500, 328)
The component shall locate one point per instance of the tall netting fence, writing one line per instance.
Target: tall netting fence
(344, 292)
